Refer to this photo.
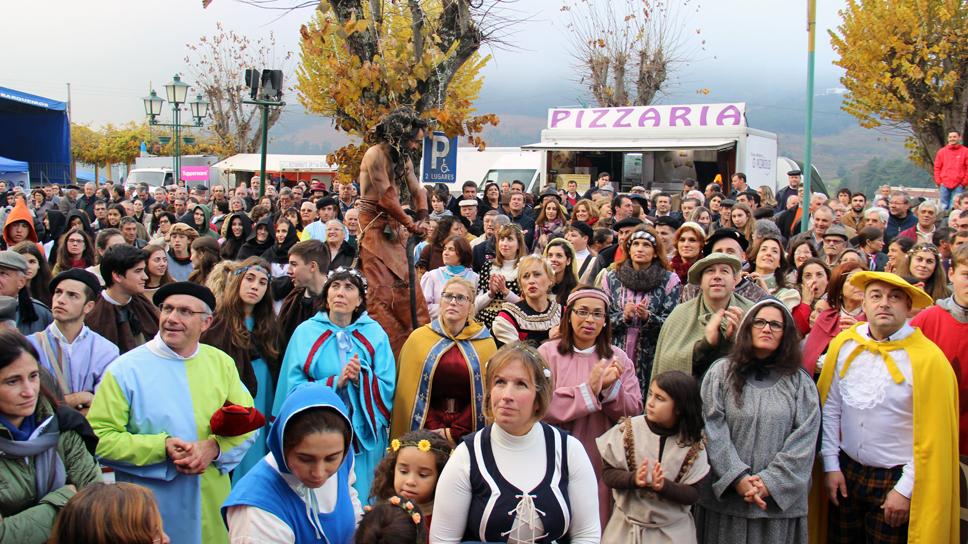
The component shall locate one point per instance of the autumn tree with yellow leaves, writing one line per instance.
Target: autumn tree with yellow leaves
(107, 146)
(361, 59)
(906, 64)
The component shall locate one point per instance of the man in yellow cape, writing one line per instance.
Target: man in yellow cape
(906, 354)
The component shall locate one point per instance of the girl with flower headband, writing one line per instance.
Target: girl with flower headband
(395, 521)
(410, 470)
(344, 348)
(923, 265)
(245, 328)
(593, 382)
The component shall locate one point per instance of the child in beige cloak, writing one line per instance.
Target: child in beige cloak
(654, 463)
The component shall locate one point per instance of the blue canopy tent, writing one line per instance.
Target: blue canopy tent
(36, 129)
(15, 171)
(87, 174)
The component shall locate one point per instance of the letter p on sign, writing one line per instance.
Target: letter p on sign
(440, 159)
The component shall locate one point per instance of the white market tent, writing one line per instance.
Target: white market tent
(293, 167)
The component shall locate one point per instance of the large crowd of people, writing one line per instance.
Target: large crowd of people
(205, 365)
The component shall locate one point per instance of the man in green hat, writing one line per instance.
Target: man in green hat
(701, 330)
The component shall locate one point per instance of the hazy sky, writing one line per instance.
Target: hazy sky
(109, 50)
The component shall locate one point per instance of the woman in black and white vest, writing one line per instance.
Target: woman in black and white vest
(517, 480)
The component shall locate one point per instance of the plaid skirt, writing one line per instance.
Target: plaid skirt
(859, 517)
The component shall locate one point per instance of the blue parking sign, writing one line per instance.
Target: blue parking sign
(439, 159)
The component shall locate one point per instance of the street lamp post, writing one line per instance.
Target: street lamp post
(266, 91)
(177, 93)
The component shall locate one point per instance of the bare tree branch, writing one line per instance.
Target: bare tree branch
(626, 50)
(217, 64)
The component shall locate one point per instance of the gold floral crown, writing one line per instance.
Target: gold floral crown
(404, 504)
(422, 445)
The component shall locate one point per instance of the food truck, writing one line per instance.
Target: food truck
(655, 147)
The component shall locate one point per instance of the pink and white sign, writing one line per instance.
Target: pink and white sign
(637, 117)
(194, 173)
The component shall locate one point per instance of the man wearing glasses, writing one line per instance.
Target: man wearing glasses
(153, 416)
(834, 242)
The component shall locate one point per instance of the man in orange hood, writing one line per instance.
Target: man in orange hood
(19, 225)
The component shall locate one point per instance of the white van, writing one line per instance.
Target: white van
(154, 177)
(499, 164)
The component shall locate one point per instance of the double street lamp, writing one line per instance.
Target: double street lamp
(177, 93)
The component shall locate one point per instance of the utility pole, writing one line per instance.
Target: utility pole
(264, 105)
(808, 148)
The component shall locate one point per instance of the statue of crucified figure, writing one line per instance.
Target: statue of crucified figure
(394, 298)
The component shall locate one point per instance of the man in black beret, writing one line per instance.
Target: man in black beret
(148, 410)
(793, 178)
(327, 208)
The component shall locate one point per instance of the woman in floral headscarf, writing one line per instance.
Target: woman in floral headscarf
(643, 290)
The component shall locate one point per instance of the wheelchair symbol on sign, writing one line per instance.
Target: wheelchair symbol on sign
(444, 169)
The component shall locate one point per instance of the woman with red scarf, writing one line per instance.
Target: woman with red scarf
(688, 241)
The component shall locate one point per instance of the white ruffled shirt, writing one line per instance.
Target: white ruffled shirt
(868, 415)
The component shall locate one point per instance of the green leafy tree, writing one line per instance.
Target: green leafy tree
(121, 145)
(86, 147)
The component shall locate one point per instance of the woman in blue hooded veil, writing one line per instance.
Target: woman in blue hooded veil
(303, 490)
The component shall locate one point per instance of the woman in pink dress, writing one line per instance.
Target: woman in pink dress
(594, 382)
